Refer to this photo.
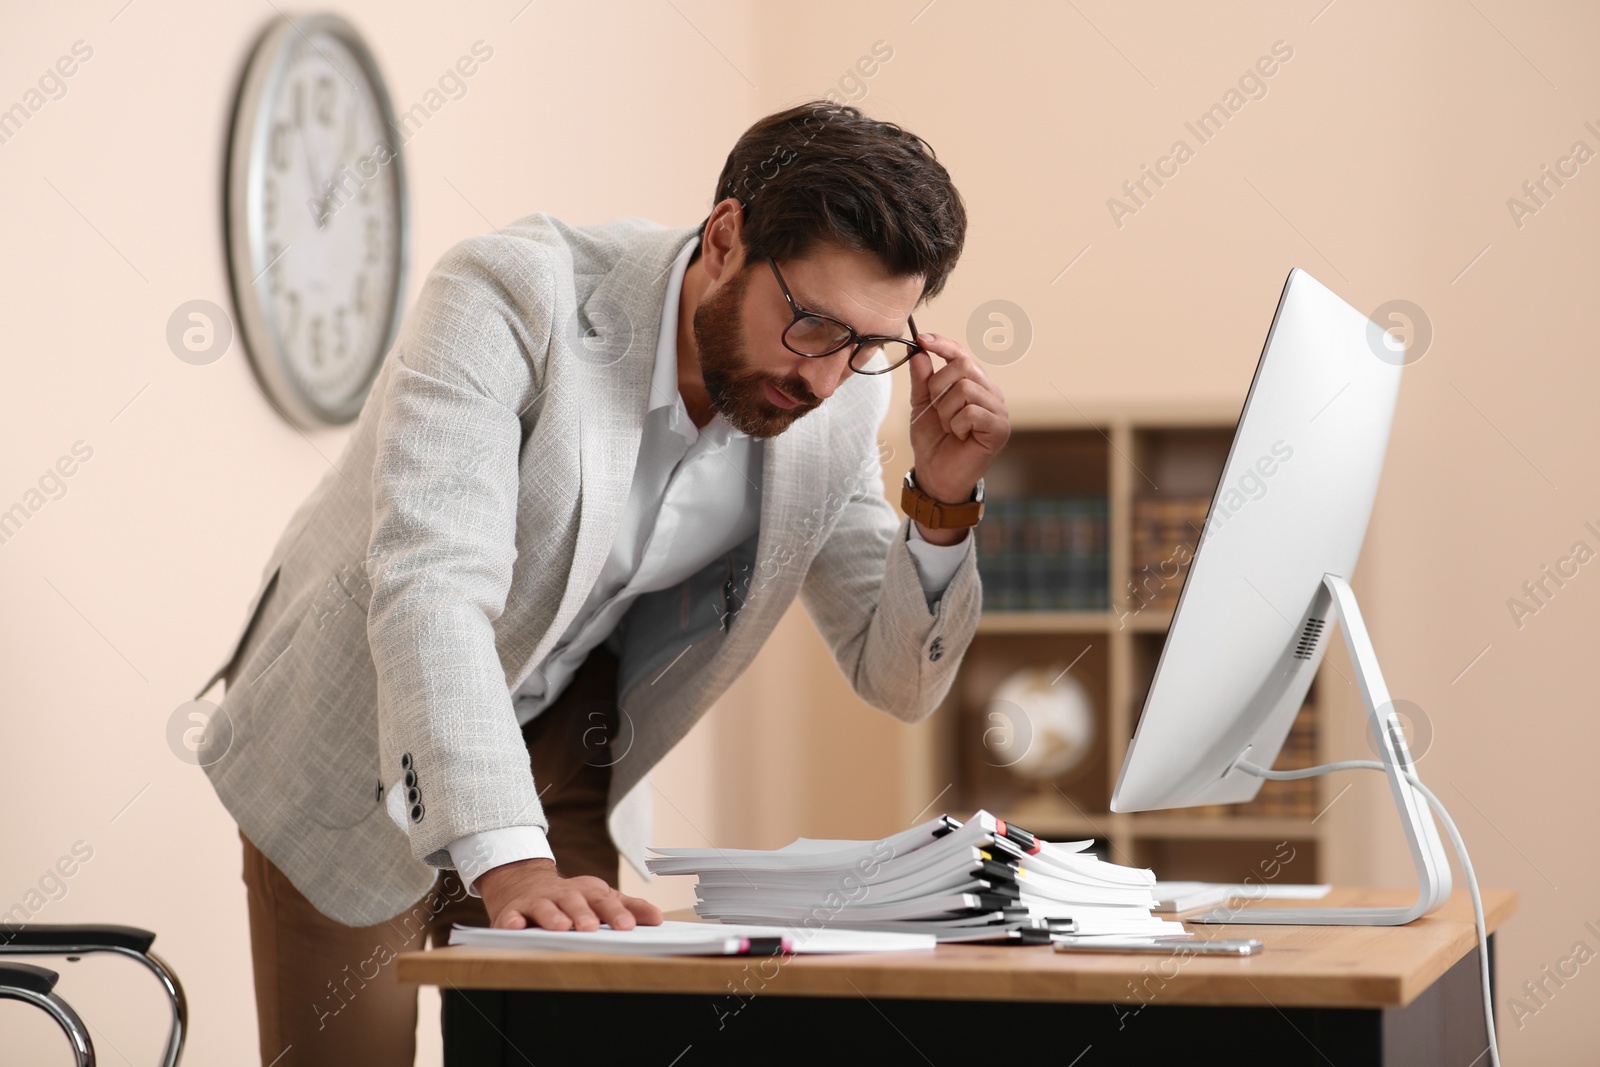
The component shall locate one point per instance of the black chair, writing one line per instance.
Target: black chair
(35, 985)
(72, 941)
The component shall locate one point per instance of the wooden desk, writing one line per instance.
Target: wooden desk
(1345, 995)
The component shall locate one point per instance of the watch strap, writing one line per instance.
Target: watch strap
(936, 515)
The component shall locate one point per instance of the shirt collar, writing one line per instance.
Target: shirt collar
(664, 379)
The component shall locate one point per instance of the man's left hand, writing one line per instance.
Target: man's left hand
(959, 423)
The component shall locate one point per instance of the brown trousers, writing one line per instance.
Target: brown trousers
(326, 993)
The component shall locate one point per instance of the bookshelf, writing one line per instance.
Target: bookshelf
(1154, 470)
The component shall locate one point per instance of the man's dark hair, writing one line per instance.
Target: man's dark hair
(825, 171)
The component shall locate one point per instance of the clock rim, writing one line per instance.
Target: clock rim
(246, 137)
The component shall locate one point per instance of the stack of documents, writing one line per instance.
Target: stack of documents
(981, 880)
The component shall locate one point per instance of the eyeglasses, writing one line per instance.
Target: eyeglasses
(813, 334)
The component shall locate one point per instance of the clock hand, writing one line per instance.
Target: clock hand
(349, 132)
(311, 173)
(346, 150)
(346, 153)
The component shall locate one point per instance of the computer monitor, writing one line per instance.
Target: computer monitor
(1268, 580)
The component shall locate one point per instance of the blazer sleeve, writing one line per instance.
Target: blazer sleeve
(469, 366)
(864, 595)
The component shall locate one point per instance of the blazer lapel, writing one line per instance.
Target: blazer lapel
(607, 362)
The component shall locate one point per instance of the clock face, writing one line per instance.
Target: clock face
(317, 228)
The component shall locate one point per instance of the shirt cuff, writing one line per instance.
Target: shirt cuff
(476, 853)
(936, 564)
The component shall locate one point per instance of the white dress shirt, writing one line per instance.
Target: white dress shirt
(696, 494)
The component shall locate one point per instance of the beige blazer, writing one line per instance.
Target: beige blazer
(369, 695)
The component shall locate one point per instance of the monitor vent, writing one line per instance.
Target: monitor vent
(1309, 636)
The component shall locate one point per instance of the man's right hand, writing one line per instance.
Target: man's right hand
(533, 891)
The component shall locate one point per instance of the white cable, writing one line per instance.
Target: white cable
(1455, 840)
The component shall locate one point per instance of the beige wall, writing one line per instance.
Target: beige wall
(1380, 160)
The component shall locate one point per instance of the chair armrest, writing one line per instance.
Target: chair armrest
(28, 977)
(73, 935)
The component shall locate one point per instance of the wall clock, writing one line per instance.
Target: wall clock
(316, 218)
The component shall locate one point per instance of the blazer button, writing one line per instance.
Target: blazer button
(936, 650)
(411, 779)
(413, 795)
(378, 795)
(416, 813)
(405, 761)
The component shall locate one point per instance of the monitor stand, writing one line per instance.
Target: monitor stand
(1427, 851)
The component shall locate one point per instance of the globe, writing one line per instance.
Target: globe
(1039, 723)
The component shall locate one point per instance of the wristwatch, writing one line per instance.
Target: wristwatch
(938, 516)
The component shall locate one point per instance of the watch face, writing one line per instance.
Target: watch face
(316, 218)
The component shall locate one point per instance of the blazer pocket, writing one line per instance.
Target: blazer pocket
(317, 719)
(237, 653)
